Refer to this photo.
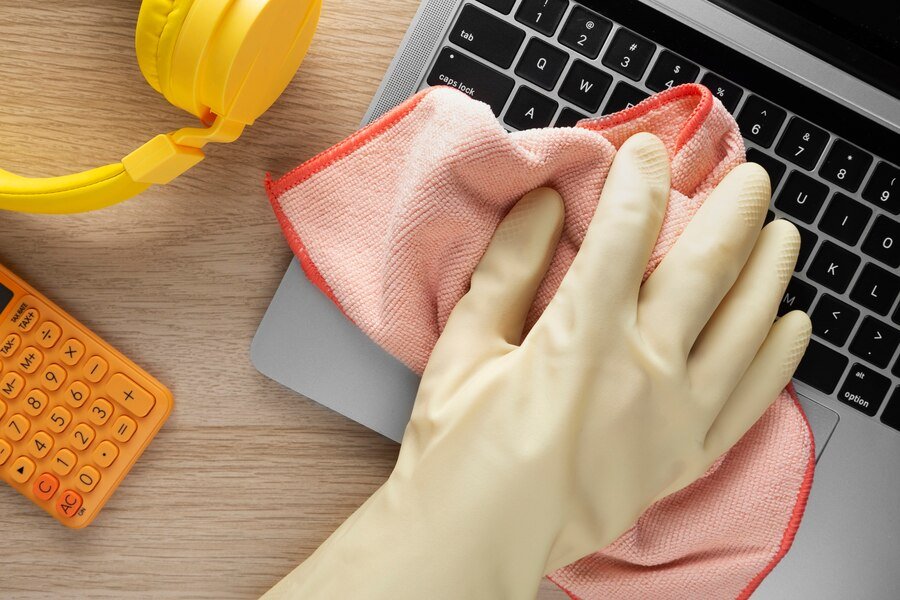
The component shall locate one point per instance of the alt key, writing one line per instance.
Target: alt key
(864, 389)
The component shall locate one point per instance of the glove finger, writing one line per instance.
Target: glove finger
(737, 329)
(624, 228)
(489, 318)
(764, 379)
(679, 297)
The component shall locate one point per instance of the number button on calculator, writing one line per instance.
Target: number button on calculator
(74, 413)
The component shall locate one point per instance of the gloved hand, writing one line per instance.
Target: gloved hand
(523, 455)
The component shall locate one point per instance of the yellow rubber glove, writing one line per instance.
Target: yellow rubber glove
(525, 455)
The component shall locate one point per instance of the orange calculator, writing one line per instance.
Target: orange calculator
(74, 413)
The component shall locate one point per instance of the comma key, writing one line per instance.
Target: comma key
(471, 77)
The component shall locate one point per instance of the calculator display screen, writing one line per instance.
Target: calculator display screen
(6, 295)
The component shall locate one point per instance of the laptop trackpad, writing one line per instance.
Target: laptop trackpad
(822, 421)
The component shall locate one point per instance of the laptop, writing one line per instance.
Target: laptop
(815, 88)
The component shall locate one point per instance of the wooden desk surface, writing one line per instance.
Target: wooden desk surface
(247, 478)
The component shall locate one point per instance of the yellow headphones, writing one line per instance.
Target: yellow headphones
(224, 61)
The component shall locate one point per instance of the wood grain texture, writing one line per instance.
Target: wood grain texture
(247, 478)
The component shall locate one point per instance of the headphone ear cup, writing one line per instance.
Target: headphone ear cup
(158, 25)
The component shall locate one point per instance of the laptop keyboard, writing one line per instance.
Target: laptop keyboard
(539, 63)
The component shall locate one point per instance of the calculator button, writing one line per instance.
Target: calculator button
(59, 419)
(72, 352)
(124, 428)
(728, 93)
(22, 469)
(29, 360)
(864, 389)
(105, 453)
(629, 54)
(671, 70)
(802, 143)
(487, 36)
(48, 334)
(82, 436)
(845, 218)
(775, 168)
(10, 344)
(541, 64)
(802, 197)
(95, 369)
(11, 385)
(100, 411)
(40, 444)
(833, 320)
(542, 15)
(876, 289)
(35, 403)
(5, 451)
(799, 295)
(529, 109)
(77, 394)
(623, 96)
(585, 86)
(53, 377)
(69, 503)
(64, 462)
(845, 165)
(585, 31)
(87, 479)
(130, 395)
(883, 241)
(28, 319)
(16, 427)
(883, 188)
(45, 486)
(760, 121)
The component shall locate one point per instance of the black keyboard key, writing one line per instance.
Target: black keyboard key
(876, 289)
(629, 54)
(477, 80)
(760, 120)
(623, 96)
(883, 188)
(845, 219)
(670, 70)
(875, 342)
(773, 167)
(503, 6)
(845, 165)
(799, 295)
(585, 31)
(585, 86)
(487, 36)
(883, 241)
(802, 197)
(542, 15)
(568, 118)
(833, 266)
(896, 319)
(802, 143)
(541, 64)
(833, 320)
(821, 367)
(891, 414)
(728, 93)
(770, 216)
(864, 389)
(530, 109)
(807, 242)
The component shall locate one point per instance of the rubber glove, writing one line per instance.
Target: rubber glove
(524, 455)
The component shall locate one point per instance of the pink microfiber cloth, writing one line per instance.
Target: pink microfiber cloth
(391, 222)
